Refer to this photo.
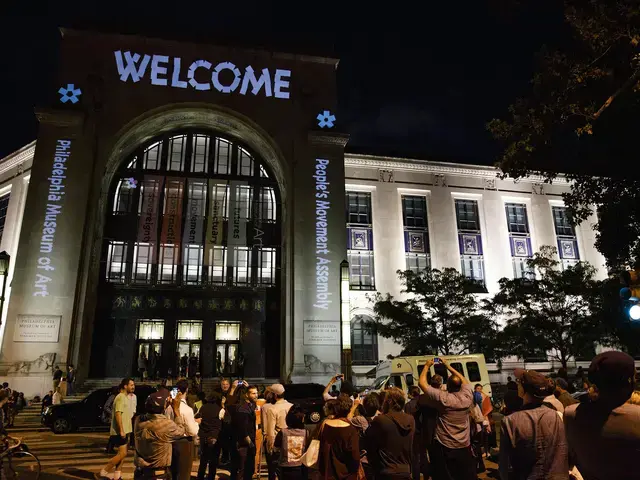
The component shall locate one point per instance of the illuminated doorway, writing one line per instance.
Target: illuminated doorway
(189, 346)
(227, 348)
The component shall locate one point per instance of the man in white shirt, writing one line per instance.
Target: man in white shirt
(273, 421)
(182, 460)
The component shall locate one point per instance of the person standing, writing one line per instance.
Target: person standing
(225, 435)
(533, 445)
(57, 376)
(604, 435)
(339, 455)
(142, 365)
(451, 455)
(419, 450)
(291, 442)
(47, 401)
(152, 363)
(182, 459)
(120, 429)
(274, 421)
(154, 433)
(57, 397)
(390, 439)
(209, 432)
(71, 378)
(243, 431)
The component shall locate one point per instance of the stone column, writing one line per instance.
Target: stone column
(319, 246)
(40, 314)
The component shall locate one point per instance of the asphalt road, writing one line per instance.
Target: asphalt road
(81, 455)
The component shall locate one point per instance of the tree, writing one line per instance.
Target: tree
(581, 117)
(439, 315)
(555, 312)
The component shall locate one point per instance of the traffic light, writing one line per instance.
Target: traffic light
(630, 294)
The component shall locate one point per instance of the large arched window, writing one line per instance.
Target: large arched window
(193, 209)
(364, 345)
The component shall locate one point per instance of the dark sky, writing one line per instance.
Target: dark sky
(418, 83)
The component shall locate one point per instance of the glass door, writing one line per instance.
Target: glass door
(189, 345)
(149, 348)
(227, 347)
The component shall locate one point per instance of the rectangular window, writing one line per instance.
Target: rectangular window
(266, 266)
(244, 197)
(416, 233)
(189, 330)
(200, 155)
(241, 265)
(142, 259)
(123, 199)
(220, 194)
(566, 237)
(470, 240)
(152, 157)
(192, 264)
(116, 262)
(176, 153)
(266, 205)
(4, 205)
(360, 241)
(168, 268)
(228, 331)
(222, 159)
(217, 265)
(245, 163)
(150, 330)
(473, 372)
(519, 239)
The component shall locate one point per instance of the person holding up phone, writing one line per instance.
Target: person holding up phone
(345, 387)
(450, 452)
(182, 458)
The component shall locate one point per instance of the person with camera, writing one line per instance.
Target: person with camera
(450, 451)
(182, 458)
(243, 432)
(154, 434)
(346, 387)
(209, 433)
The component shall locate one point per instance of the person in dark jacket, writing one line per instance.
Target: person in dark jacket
(209, 432)
(243, 431)
(390, 439)
(418, 455)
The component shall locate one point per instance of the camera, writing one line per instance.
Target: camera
(174, 392)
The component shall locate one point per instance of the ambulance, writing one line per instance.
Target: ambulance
(404, 372)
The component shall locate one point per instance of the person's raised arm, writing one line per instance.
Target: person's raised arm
(333, 380)
(422, 382)
(454, 371)
(354, 408)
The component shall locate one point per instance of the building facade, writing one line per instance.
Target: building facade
(189, 207)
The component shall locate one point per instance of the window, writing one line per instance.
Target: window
(266, 266)
(168, 264)
(222, 164)
(473, 372)
(142, 258)
(124, 196)
(152, 156)
(266, 205)
(116, 262)
(416, 234)
(217, 262)
(364, 345)
(519, 239)
(189, 330)
(177, 153)
(228, 331)
(245, 163)
(150, 330)
(566, 236)
(244, 196)
(192, 264)
(360, 241)
(470, 240)
(4, 205)
(241, 265)
(200, 156)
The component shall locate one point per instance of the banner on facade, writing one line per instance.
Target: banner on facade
(217, 208)
(194, 227)
(172, 218)
(148, 226)
(239, 207)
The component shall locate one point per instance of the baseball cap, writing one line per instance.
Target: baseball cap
(277, 388)
(612, 370)
(156, 402)
(562, 383)
(535, 383)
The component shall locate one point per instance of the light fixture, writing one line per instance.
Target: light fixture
(5, 260)
(345, 321)
(634, 312)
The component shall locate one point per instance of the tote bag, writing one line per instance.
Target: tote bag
(310, 458)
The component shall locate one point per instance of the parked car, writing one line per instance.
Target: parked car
(88, 412)
(309, 397)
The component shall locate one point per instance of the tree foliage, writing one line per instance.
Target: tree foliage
(581, 117)
(439, 315)
(555, 312)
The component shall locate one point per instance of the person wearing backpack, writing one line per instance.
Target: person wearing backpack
(292, 442)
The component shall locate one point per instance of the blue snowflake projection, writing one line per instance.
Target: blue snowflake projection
(131, 182)
(71, 93)
(326, 119)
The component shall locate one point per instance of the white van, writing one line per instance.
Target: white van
(404, 372)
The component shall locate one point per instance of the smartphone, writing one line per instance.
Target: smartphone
(339, 376)
(174, 392)
(436, 360)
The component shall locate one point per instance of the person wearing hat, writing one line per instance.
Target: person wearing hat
(273, 421)
(532, 441)
(604, 434)
(154, 434)
(562, 393)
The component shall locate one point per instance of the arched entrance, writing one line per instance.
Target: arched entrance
(190, 266)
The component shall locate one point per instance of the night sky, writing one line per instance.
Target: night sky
(415, 83)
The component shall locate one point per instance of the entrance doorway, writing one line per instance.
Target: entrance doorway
(189, 346)
(149, 351)
(228, 348)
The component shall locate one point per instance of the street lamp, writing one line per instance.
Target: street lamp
(345, 321)
(4, 272)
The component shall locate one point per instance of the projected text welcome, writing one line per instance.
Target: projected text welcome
(323, 205)
(55, 197)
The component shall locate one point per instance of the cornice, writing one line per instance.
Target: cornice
(328, 138)
(60, 118)
(443, 168)
(16, 158)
